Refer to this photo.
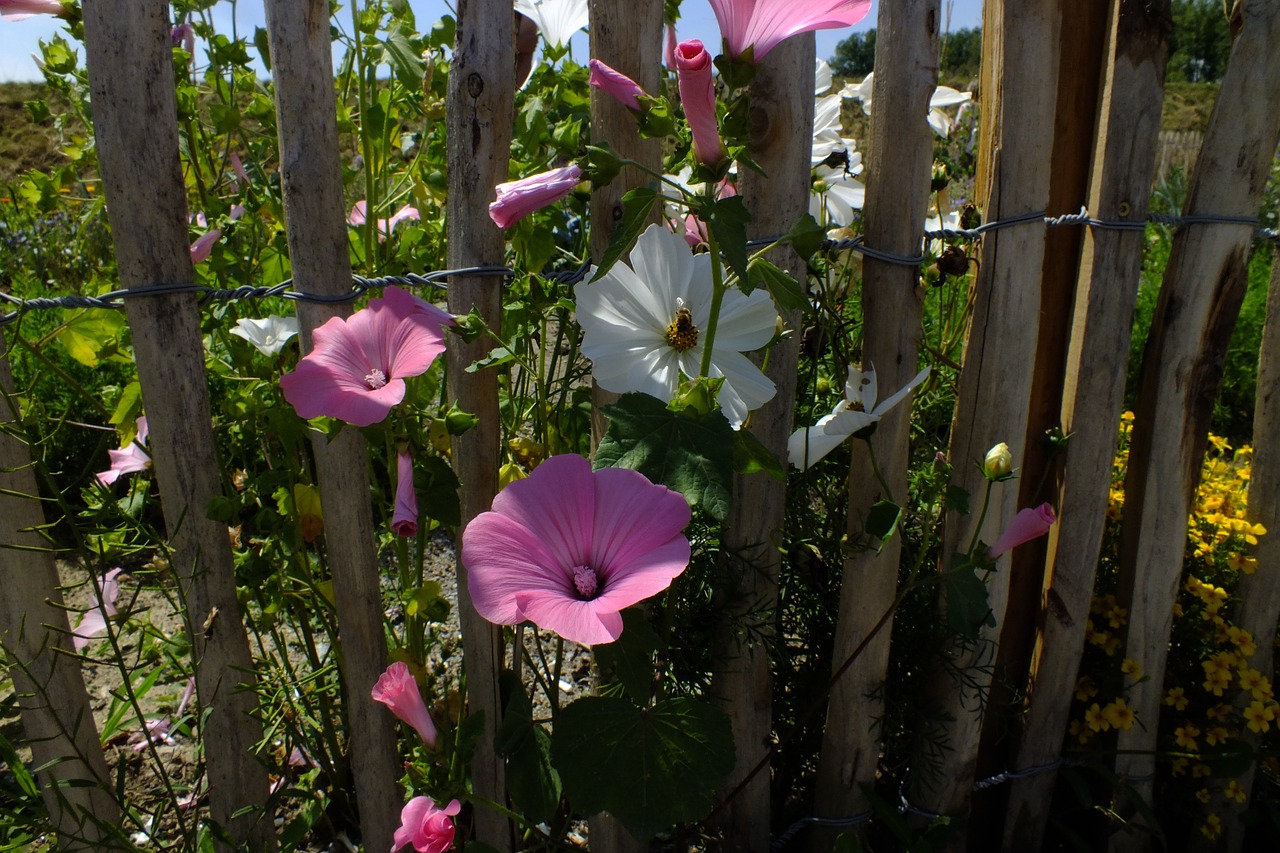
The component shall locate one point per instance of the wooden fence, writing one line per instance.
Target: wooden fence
(1049, 346)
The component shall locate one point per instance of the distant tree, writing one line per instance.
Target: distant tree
(1200, 42)
(855, 56)
(961, 54)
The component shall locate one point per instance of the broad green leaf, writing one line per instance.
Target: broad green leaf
(727, 218)
(497, 356)
(882, 520)
(967, 606)
(693, 455)
(806, 236)
(405, 61)
(531, 780)
(650, 767)
(629, 659)
(957, 499)
(91, 336)
(751, 457)
(784, 289)
(637, 207)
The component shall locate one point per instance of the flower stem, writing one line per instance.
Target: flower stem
(717, 297)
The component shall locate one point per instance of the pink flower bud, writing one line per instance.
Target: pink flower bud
(698, 95)
(405, 520)
(16, 10)
(397, 690)
(1028, 524)
(517, 199)
(616, 84)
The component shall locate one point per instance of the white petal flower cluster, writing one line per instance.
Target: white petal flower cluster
(645, 324)
(837, 193)
(557, 20)
(943, 97)
(858, 410)
(269, 335)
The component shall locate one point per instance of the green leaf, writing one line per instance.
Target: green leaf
(437, 488)
(650, 768)
(882, 520)
(727, 218)
(967, 606)
(784, 289)
(496, 357)
(25, 781)
(637, 207)
(531, 780)
(957, 499)
(603, 164)
(92, 336)
(405, 61)
(693, 455)
(750, 456)
(629, 659)
(806, 236)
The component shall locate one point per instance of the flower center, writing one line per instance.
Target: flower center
(585, 579)
(682, 335)
(375, 379)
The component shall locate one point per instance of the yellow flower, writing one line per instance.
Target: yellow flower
(1112, 646)
(1243, 563)
(1212, 827)
(1201, 771)
(1080, 731)
(1204, 796)
(1219, 712)
(1251, 679)
(1099, 638)
(1259, 716)
(1119, 715)
(1217, 682)
(1116, 616)
(1176, 698)
(1185, 736)
(1179, 766)
(1130, 667)
(1216, 735)
(1094, 719)
(1085, 689)
(1243, 640)
(1235, 791)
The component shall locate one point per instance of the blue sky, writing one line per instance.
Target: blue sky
(18, 39)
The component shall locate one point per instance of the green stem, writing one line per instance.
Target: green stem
(717, 297)
(986, 502)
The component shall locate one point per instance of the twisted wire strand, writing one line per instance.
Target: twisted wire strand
(360, 285)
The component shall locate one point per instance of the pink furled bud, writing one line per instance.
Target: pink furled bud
(405, 520)
(517, 199)
(763, 24)
(16, 10)
(1028, 524)
(203, 246)
(184, 36)
(698, 95)
(669, 50)
(397, 689)
(622, 88)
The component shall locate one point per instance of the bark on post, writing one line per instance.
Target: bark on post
(479, 119)
(1200, 299)
(34, 631)
(1260, 592)
(311, 178)
(136, 131)
(627, 38)
(900, 165)
(1093, 394)
(780, 141)
(1020, 82)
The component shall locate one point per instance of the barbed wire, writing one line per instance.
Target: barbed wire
(115, 300)
(906, 807)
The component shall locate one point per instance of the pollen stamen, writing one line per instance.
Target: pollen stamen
(375, 379)
(586, 580)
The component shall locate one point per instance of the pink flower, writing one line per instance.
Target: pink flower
(203, 246)
(397, 689)
(765, 23)
(130, 458)
(184, 36)
(568, 548)
(698, 96)
(385, 226)
(102, 608)
(1028, 524)
(621, 87)
(16, 10)
(426, 826)
(669, 48)
(357, 369)
(517, 199)
(405, 520)
(695, 230)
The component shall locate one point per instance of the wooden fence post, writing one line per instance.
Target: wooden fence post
(136, 132)
(780, 141)
(1097, 358)
(480, 109)
(1204, 285)
(628, 38)
(900, 161)
(311, 179)
(1259, 593)
(1019, 93)
(56, 717)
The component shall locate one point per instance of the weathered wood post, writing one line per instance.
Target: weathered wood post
(628, 38)
(56, 717)
(1019, 83)
(479, 119)
(781, 132)
(136, 131)
(1097, 356)
(311, 179)
(1203, 287)
(900, 161)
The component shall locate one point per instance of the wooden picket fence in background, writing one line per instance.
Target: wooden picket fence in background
(1043, 349)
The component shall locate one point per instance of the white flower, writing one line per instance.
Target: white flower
(857, 411)
(269, 335)
(557, 20)
(943, 96)
(644, 326)
(837, 192)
